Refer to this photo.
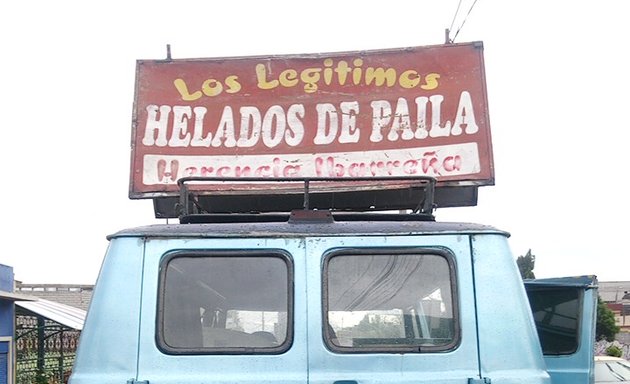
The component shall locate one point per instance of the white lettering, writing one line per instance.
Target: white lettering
(421, 118)
(349, 131)
(326, 113)
(381, 116)
(249, 138)
(465, 117)
(156, 126)
(225, 132)
(401, 122)
(295, 134)
(273, 134)
(180, 136)
(284, 126)
(436, 129)
(197, 140)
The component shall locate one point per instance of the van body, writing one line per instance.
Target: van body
(285, 267)
(321, 298)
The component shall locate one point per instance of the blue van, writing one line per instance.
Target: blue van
(315, 296)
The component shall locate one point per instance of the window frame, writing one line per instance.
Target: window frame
(281, 254)
(354, 251)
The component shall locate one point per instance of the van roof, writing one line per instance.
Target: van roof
(288, 228)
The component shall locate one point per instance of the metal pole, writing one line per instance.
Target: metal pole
(61, 366)
(41, 344)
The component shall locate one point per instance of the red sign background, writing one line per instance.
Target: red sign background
(411, 111)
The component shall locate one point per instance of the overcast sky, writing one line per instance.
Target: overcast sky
(558, 77)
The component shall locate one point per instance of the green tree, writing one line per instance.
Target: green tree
(526, 265)
(606, 328)
(614, 350)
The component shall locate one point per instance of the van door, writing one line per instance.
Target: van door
(565, 313)
(391, 310)
(223, 311)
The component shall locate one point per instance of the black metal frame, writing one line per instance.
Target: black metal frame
(357, 194)
(36, 358)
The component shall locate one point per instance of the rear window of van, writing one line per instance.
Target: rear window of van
(225, 302)
(390, 301)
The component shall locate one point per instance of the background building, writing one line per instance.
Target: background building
(616, 294)
(38, 336)
(74, 295)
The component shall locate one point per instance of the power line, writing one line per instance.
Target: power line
(455, 15)
(448, 39)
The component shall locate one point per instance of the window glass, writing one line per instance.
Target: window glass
(224, 304)
(389, 302)
(556, 313)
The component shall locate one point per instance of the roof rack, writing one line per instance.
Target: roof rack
(348, 195)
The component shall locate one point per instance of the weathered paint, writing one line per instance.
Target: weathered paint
(400, 112)
(498, 337)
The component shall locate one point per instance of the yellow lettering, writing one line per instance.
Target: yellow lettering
(328, 72)
(310, 77)
(342, 71)
(288, 78)
(409, 79)
(357, 72)
(232, 83)
(211, 87)
(430, 81)
(182, 88)
(380, 75)
(261, 76)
